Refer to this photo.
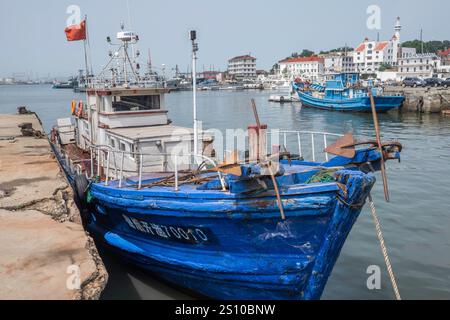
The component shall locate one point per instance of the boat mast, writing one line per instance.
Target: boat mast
(193, 37)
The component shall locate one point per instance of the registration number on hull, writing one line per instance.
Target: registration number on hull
(190, 235)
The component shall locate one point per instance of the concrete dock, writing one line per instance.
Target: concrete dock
(423, 100)
(44, 251)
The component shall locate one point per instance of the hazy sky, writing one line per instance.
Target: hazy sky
(33, 39)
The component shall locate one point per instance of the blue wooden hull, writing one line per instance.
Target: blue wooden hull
(227, 245)
(231, 246)
(359, 104)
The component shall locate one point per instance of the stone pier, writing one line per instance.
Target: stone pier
(423, 100)
(44, 251)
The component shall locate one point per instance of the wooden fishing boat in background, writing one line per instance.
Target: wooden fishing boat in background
(343, 93)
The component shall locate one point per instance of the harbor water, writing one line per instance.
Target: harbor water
(415, 223)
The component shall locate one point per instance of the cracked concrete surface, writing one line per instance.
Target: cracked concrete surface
(41, 233)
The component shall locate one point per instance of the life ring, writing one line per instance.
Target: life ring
(80, 109)
(74, 107)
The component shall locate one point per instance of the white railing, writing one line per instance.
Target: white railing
(105, 154)
(110, 82)
(110, 163)
(296, 140)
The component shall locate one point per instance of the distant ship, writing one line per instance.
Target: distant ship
(343, 92)
(71, 84)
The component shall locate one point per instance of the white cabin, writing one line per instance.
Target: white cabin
(125, 117)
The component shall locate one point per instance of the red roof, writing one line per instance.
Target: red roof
(444, 53)
(302, 59)
(361, 47)
(381, 45)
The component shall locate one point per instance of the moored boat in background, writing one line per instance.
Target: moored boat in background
(344, 93)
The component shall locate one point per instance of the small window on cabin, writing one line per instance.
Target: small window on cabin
(103, 104)
(112, 142)
(137, 103)
(123, 146)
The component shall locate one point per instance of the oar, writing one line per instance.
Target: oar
(380, 147)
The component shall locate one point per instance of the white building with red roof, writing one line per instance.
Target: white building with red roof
(306, 68)
(242, 67)
(370, 55)
(445, 56)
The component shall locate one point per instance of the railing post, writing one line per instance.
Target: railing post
(121, 170)
(107, 168)
(92, 162)
(116, 170)
(98, 162)
(176, 174)
(325, 143)
(299, 144)
(141, 165)
(313, 147)
(285, 141)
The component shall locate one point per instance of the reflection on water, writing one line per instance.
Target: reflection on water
(415, 224)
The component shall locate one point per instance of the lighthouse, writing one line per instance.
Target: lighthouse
(398, 28)
(396, 45)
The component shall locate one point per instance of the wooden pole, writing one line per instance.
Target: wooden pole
(380, 148)
(258, 123)
(277, 191)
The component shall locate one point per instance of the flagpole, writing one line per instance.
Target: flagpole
(85, 49)
(86, 80)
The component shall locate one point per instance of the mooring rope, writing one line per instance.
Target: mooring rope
(383, 248)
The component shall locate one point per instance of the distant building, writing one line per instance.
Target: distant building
(445, 57)
(418, 65)
(339, 62)
(7, 81)
(370, 55)
(307, 68)
(209, 75)
(408, 52)
(242, 67)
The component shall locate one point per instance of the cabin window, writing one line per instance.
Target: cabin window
(112, 143)
(123, 146)
(137, 103)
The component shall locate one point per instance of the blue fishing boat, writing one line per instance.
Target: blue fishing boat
(268, 227)
(342, 92)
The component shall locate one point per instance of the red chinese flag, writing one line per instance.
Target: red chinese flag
(76, 32)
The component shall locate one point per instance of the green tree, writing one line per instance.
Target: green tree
(342, 49)
(384, 67)
(306, 53)
(428, 46)
(275, 68)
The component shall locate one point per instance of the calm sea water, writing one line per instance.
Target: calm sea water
(416, 223)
